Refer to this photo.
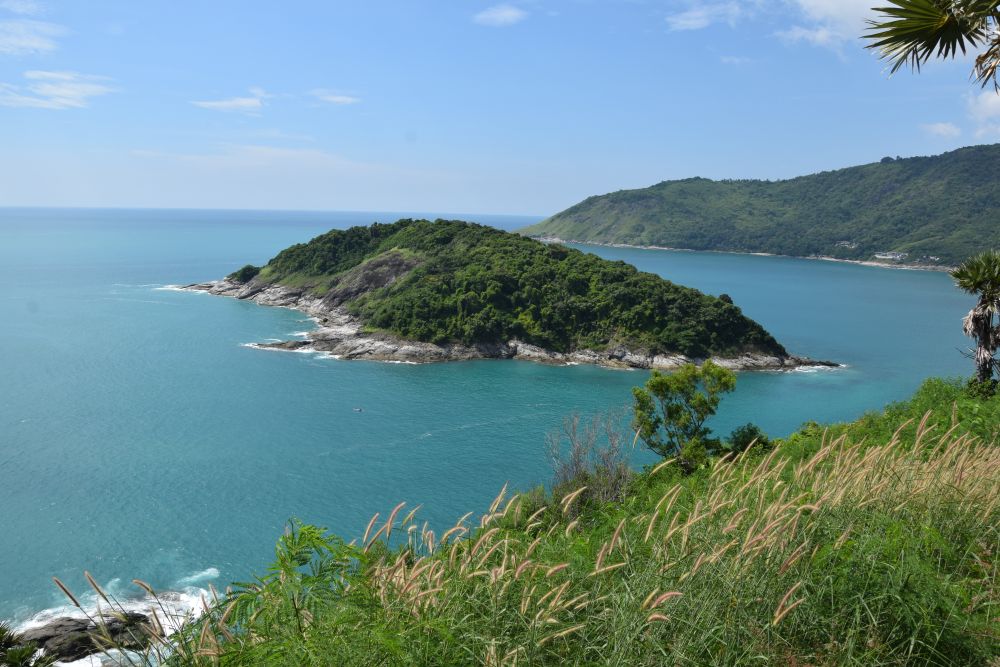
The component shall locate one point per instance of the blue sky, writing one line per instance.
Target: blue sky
(456, 105)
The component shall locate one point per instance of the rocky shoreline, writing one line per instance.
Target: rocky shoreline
(342, 336)
(68, 639)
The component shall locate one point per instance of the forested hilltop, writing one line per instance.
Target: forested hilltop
(452, 282)
(922, 210)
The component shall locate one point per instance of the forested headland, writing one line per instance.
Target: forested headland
(932, 211)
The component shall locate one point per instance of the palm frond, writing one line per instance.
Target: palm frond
(911, 32)
(980, 275)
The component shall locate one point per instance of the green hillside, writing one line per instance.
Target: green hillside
(451, 281)
(937, 210)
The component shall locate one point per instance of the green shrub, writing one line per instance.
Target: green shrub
(245, 275)
(744, 436)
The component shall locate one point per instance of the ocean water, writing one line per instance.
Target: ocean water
(139, 438)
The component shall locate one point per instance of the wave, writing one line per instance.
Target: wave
(198, 577)
(183, 602)
(301, 350)
(818, 369)
(177, 288)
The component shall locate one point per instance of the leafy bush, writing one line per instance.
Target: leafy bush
(744, 436)
(981, 389)
(246, 274)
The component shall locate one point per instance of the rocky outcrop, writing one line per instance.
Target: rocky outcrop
(341, 335)
(68, 639)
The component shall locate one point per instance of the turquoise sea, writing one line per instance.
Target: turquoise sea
(140, 438)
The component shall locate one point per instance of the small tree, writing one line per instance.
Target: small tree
(671, 410)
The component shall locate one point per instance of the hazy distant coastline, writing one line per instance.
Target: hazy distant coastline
(881, 265)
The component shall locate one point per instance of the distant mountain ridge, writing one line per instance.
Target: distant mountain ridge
(933, 211)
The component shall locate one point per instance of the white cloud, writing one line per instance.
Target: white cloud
(334, 97)
(703, 15)
(54, 90)
(251, 104)
(984, 109)
(500, 16)
(948, 130)
(847, 15)
(817, 36)
(829, 23)
(25, 7)
(25, 37)
(735, 60)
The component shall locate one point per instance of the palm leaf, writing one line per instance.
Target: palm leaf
(914, 31)
(980, 275)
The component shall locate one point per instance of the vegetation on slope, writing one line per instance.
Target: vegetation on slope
(461, 282)
(867, 543)
(943, 207)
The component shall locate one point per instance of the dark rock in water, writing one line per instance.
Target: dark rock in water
(75, 638)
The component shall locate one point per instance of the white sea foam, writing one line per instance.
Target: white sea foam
(818, 369)
(198, 577)
(172, 608)
(301, 350)
(178, 288)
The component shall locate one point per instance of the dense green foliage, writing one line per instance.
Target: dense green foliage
(743, 437)
(15, 652)
(858, 544)
(461, 282)
(945, 206)
(951, 403)
(671, 410)
(244, 274)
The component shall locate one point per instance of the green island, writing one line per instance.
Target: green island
(926, 211)
(464, 290)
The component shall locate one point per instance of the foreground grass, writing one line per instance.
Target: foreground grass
(873, 543)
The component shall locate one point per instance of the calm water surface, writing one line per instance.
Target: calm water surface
(138, 438)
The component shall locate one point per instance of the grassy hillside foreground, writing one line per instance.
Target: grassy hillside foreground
(874, 542)
(870, 543)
